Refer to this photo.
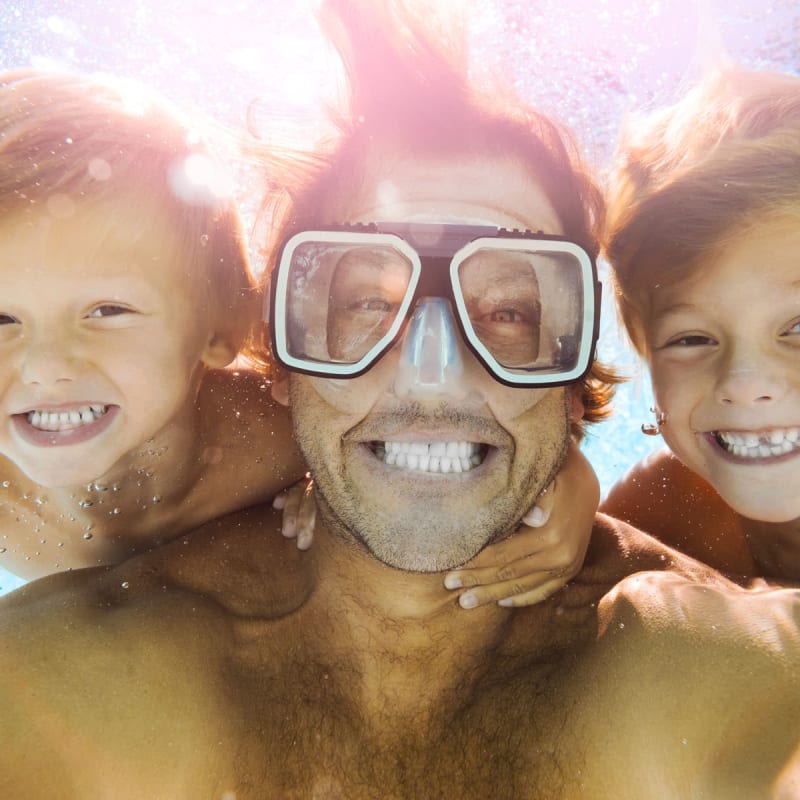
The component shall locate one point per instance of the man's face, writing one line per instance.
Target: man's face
(425, 476)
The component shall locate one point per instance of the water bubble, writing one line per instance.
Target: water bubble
(2, 549)
(203, 239)
(5, 484)
(42, 541)
(115, 511)
(115, 487)
(98, 487)
(40, 501)
(87, 503)
(87, 535)
(125, 585)
(60, 544)
(156, 498)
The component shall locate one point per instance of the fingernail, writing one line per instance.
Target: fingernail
(468, 600)
(535, 517)
(452, 582)
(506, 602)
(304, 541)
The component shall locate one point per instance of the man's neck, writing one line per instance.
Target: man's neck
(392, 626)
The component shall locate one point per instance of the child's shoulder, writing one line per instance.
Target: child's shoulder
(249, 447)
(666, 499)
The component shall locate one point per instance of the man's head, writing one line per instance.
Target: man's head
(426, 471)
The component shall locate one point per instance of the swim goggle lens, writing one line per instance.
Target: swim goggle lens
(526, 304)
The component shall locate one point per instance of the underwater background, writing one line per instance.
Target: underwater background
(261, 63)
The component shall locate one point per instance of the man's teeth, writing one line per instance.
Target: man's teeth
(751, 445)
(441, 457)
(66, 420)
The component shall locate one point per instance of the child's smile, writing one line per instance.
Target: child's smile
(102, 334)
(724, 351)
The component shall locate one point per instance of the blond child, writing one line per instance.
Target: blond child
(704, 241)
(125, 291)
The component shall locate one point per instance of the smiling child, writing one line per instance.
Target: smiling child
(705, 246)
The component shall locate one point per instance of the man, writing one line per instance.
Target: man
(228, 665)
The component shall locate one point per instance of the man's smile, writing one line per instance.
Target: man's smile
(435, 456)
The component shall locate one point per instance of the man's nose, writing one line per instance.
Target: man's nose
(749, 380)
(430, 358)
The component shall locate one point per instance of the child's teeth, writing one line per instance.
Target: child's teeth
(66, 420)
(751, 445)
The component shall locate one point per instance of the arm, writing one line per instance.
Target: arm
(545, 553)
(249, 436)
(661, 496)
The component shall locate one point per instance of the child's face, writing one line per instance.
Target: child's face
(725, 359)
(101, 333)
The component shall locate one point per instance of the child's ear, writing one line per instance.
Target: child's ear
(219, 352)
(280, 385)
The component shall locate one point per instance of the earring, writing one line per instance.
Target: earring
(650, 429)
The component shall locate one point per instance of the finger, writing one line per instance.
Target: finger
(539, 514)
(534, 596)
(306, 518)
(495, 592)
(519, 545)
(279, 501)
(290, 511)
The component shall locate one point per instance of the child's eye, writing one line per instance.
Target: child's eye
(7, 319)
(690, 340)
(793, 329)
(108, 310)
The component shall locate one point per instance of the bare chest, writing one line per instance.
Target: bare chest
(502, 739)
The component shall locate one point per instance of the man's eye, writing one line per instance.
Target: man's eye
(108, 310)
(7, 319)
(506, 315)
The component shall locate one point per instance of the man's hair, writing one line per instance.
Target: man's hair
(410, 95)
(67, 137)
(691, 179)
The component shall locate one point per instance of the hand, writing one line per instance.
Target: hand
(545, 553)
(299, 512)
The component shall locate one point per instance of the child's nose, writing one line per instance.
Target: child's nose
(48, 362)
(749, 381)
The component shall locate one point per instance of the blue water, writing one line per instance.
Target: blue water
(588, 64)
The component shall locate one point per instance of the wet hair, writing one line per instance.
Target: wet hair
(67, 137)
(410, 96)
(691, 179)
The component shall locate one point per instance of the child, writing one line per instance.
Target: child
(704, 240)
(124, 292)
